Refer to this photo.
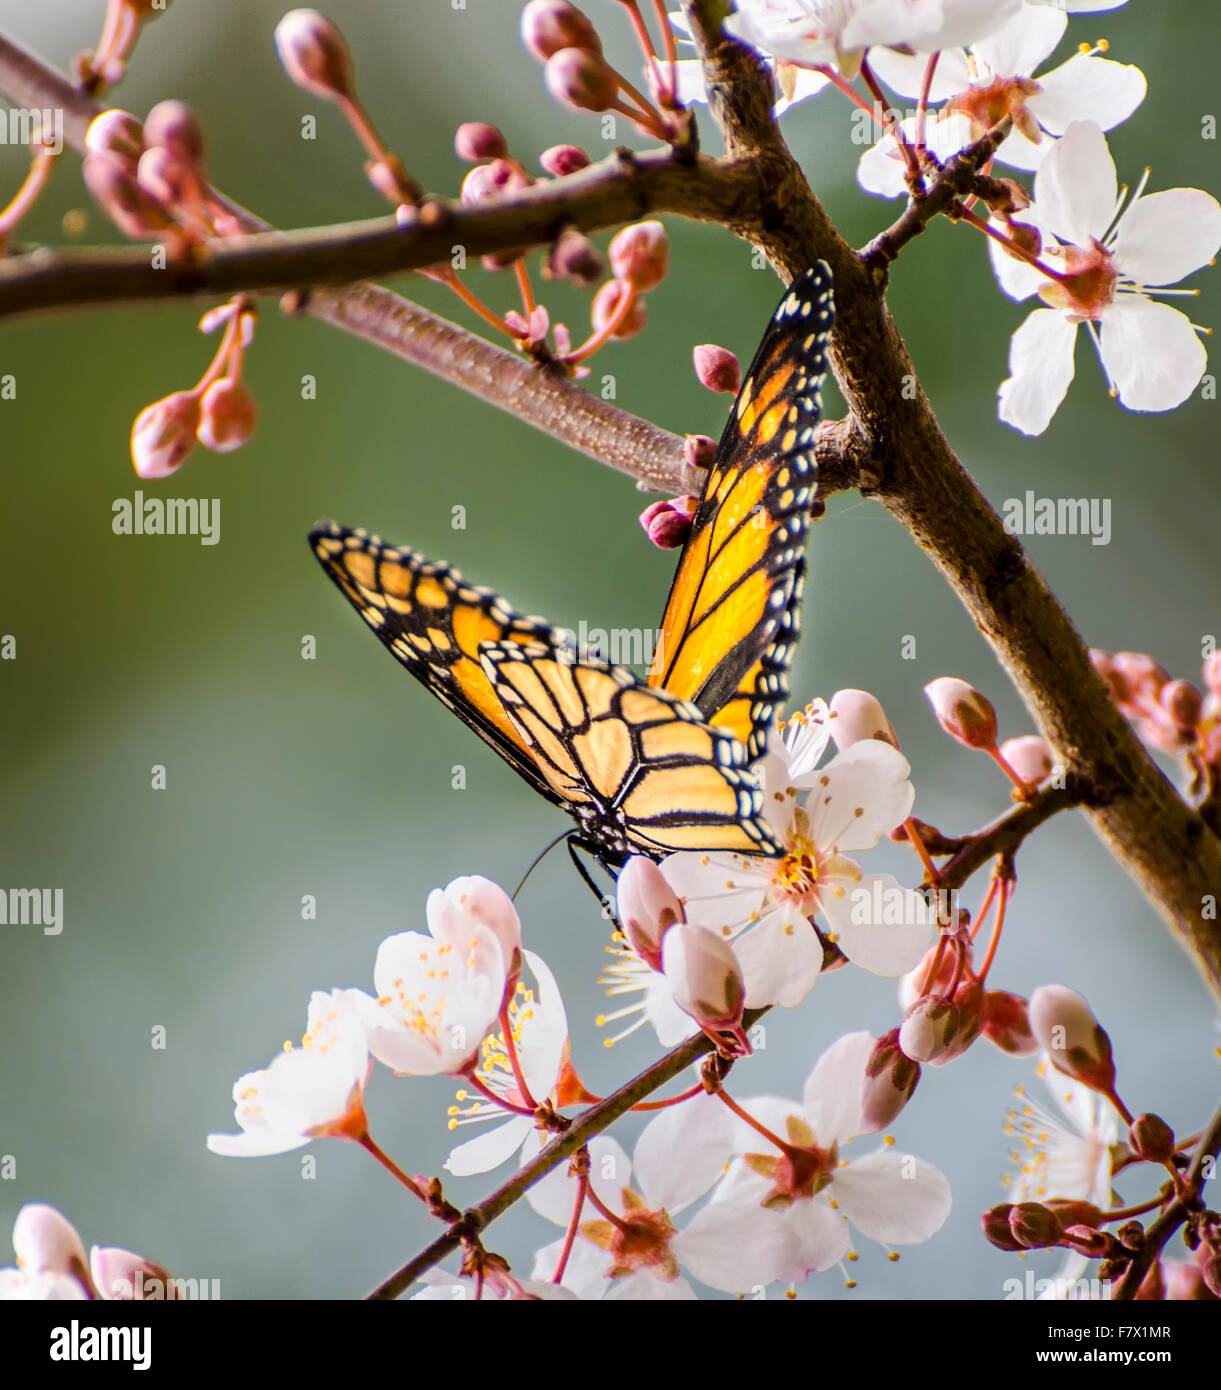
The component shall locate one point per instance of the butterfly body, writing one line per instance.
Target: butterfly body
(656, 765)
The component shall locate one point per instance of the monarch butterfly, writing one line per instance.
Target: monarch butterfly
(662, 764)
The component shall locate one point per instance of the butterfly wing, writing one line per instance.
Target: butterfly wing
(639, 768)
(732, 616)
(433, 622)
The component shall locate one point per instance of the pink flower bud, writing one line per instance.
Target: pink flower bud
(227, 416)
(640, 255)
(449, 911)
(995, 1223)
(119, 136)
(1104, 664)
(648, 908)
(1072, 1211)
(1072, 1037)
(706, 981)
(1006, 1023)
(574, 257)
(668, 523)
(962, 712)
(46, 1241)
(315, 55)
(698, 450)
(1183, 703)
(1033, 1226)
(164, 178)
(1024, 238)
(916, 984)
(120, 1274)
(562, 160)
(1141, 675)
(164, 434)
(547, 26)
(122, 199)
(476, 141)
(581, 79)
(1085, 1240)
(969, 1018)
(494, 180)
(532, 329)
(890, 1079)
(929, 1028)
(1029, 756)
(717, 368)
(1152, 1138)
(856, 715)
(1185, 1282)
(173, 126)
(606, 305)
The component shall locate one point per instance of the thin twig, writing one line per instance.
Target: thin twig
(1160, 1231)
(1007, 832)
(592, 1122)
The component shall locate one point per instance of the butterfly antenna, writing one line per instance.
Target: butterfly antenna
(605, 901)
(538, 859)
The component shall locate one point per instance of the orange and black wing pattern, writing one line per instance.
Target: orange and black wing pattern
(732, 617)
(640, 770)
(432, 621)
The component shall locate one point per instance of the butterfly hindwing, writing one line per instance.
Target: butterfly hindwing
(732, 616)
(633, 762)
(433, 622)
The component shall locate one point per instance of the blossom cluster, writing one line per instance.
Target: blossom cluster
(1073, 239)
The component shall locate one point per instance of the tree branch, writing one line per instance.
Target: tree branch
(1007, 831)
(621, 188)
(910, 468)
(1171, 1219)
(592, 1122)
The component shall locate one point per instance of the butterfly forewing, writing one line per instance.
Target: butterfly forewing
(732, 615)
(433, 622)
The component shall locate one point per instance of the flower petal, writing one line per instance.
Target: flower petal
(820, 1235)
(1041, 367)
(1166, 236)
(893, 1198)
(832, 1093)
(682, 1151)
(1031, 36)
(543, 1030)
(1088, 88)
(880, 925)
(904, 72)
(1151, 352)
(967, 22)
(861, 795)
(780, 957)
(735, 1248)
(489, 1149)
(1076, 189)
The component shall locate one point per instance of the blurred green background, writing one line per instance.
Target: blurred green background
(332, 777)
